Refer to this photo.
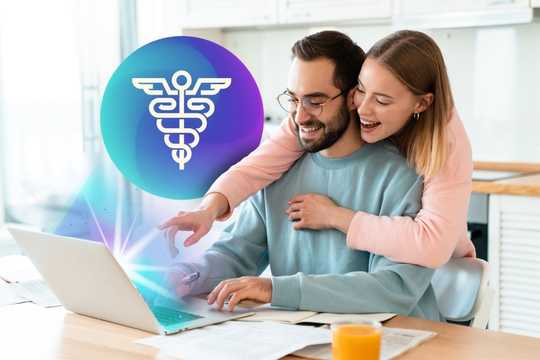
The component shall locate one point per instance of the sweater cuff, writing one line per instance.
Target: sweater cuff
(286, 291)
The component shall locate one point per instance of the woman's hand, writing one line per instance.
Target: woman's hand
(199, 221)
(235, 290)
(311, 211)
(317, 212)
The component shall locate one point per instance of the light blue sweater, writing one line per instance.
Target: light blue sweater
(315, 270)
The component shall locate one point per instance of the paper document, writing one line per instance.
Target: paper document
(269, 313)
(8, 294)
(329, 318)
(239, 340)
(17, 268)
(394, 343)
(38, 292)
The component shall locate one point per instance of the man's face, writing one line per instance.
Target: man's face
(317, 128)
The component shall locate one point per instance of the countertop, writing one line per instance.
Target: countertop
(527, 183)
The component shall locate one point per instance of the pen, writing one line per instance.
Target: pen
(186, 280)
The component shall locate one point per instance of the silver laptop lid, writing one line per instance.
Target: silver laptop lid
(86, 278)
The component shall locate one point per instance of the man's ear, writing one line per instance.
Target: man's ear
(350, 100)
(425, 101)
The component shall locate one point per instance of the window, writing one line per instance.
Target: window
(55, 59)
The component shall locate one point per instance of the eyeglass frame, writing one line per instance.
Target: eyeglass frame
(302, 99)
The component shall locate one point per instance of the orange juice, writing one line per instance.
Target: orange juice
(360, 341)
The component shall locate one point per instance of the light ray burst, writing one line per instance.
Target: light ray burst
(140, 245)
(103, 238)
(128, 235)
(144, 281)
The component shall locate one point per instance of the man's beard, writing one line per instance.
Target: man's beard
(332, 131)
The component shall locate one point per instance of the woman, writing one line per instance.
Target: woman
(403, 94)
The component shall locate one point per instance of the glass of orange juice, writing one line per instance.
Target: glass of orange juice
(359, 340)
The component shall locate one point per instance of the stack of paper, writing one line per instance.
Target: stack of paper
(329, 318)
(18, 268)
(25, 283)
(270, 340)
(38, 292)
(239, 340)
(268, 313)
(394, 343)
(8, 294)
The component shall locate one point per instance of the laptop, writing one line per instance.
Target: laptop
(88, 280)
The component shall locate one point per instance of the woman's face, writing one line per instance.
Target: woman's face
(384, 104)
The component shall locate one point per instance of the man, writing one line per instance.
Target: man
(315, 270)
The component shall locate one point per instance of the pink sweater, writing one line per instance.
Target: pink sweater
(438, 232)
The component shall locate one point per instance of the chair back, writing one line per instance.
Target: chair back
(461, 289)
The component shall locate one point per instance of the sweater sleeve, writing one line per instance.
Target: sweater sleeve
(241, 251)
(263, 166)
(439, 229)
(387, 287)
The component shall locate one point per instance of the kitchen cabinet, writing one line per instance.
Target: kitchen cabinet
(226, 13)
(461, 13)
(514, 257)
(313, 11)
(196, 14)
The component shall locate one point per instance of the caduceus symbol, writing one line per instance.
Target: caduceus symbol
(200, 108)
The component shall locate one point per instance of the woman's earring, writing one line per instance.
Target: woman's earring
(416, 116)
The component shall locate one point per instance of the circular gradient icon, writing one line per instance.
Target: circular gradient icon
(177, 113)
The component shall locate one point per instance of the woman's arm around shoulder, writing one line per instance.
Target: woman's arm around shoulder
(439, 230)
(263, 166)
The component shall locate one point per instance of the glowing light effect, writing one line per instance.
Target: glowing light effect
(99, 213)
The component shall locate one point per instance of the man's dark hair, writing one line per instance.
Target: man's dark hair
(337, 47)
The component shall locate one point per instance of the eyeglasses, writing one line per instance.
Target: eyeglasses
(314, 107)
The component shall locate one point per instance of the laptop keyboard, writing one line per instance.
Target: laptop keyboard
(167, 316)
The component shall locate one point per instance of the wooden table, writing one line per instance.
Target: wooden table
(31, 332)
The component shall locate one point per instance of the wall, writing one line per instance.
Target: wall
(494, 74)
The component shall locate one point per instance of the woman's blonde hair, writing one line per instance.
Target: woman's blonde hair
(416, 60)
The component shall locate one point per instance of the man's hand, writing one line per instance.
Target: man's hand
(236, 290)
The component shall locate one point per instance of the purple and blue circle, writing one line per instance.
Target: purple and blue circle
(144, 148)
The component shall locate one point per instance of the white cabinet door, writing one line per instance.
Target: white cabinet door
(227, 13)
(461, 13)
(312, 11)
(514, 255)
